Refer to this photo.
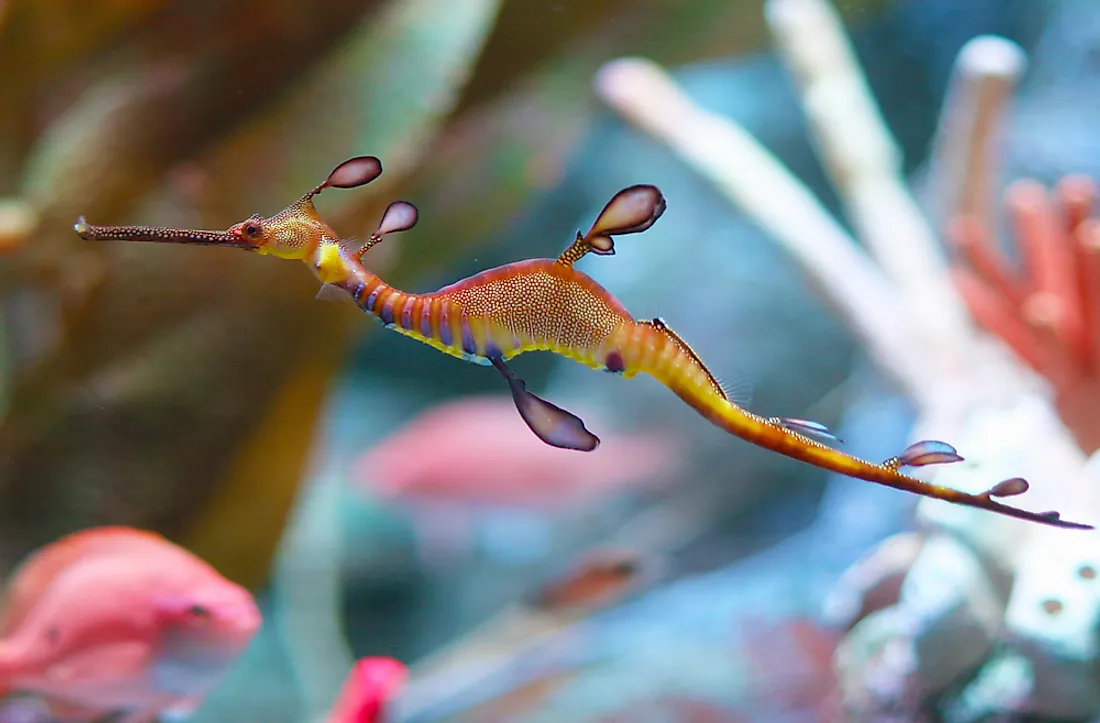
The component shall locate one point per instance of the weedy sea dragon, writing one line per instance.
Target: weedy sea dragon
(547, 304)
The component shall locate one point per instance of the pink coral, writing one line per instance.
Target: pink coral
(1047, 311)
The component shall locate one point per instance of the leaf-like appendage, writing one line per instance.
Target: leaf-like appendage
(929, 451)
(355, 172)
(399, 216)
(631, 210)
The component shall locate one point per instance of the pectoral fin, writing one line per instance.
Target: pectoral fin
(332, 292)
(550, 423)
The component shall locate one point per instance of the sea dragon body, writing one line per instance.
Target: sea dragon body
(547, 304)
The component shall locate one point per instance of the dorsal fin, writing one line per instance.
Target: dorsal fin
(659, 324)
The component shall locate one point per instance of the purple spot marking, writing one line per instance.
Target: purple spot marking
(426, 320)
(386, 315)
(445, 326)
(468, 344)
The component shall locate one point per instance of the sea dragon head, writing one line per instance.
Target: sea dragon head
(293, 233)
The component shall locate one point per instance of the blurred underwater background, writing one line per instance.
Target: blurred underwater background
(383, 501)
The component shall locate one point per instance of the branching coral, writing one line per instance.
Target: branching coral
(1048, 310)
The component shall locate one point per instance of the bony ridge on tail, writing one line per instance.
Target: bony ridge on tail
(547, 304)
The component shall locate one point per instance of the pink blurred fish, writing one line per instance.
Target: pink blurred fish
(368, 691)
(477, 450)
(117, 619)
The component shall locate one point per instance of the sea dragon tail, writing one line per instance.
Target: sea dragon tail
(658, 351)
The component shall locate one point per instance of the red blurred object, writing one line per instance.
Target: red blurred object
(370, 688)
(601, 579)
(792, 667)
(675, 708)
